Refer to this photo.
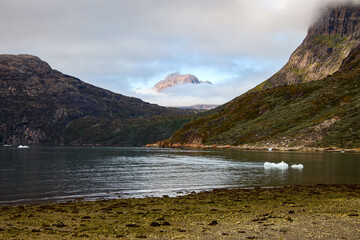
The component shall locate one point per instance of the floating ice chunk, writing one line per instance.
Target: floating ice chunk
(280, 166)
(297, 166)
(21, 146)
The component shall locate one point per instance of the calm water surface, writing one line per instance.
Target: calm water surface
(62, 173)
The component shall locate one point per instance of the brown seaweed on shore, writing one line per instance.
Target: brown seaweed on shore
(326, 211)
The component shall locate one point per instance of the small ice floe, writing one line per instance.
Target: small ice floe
(23, 146)
(280, 166)
(297, 166)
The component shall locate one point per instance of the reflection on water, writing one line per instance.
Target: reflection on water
(54, 173)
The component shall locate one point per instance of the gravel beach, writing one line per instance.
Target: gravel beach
(293, 212)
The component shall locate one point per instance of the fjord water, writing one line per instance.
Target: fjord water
(61, 173)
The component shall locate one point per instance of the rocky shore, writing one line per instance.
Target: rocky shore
(293, 212)
(255, 147)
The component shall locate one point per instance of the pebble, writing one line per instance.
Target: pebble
(268, 224)
(59, 225)
(83, 235)
(155, 224)
(141, 236)
(131, 225)
(213, 223)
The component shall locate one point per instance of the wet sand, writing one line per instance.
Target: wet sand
(294, 212)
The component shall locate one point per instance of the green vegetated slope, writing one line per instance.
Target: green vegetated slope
(122, 132)
(319, 113)
(39, 105)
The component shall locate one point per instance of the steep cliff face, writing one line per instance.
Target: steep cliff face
(39, 105)
(291, 109)
(328, 42)
(175, 79)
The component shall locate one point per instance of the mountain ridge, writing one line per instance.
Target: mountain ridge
(42, 106)
(321, 112)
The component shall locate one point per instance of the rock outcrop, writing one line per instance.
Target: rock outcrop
(328, 42)
(175, 79)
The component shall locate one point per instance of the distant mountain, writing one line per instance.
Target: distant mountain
(203, 107)
(328, 42)
(175, 79)
(314, 101)
(39, 105)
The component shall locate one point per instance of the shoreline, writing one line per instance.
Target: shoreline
(255, 148)
(215, 146)
(184, 193)
(290, 212)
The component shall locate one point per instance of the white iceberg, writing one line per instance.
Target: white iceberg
(280, 166)
(21, 146)
(297, 166)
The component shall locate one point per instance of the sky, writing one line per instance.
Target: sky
(126, 46)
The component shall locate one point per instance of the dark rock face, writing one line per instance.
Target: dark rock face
(175, 79)
(39, 105)
(338, 20)
(22, 67)
(328, 43)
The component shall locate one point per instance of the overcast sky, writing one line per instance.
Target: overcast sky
(127, 46)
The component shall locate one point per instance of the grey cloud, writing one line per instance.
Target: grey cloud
(122, 44)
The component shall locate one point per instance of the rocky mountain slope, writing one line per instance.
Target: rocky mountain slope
(175, 79)
(39, 105)
(291, 109)
(328, 42)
